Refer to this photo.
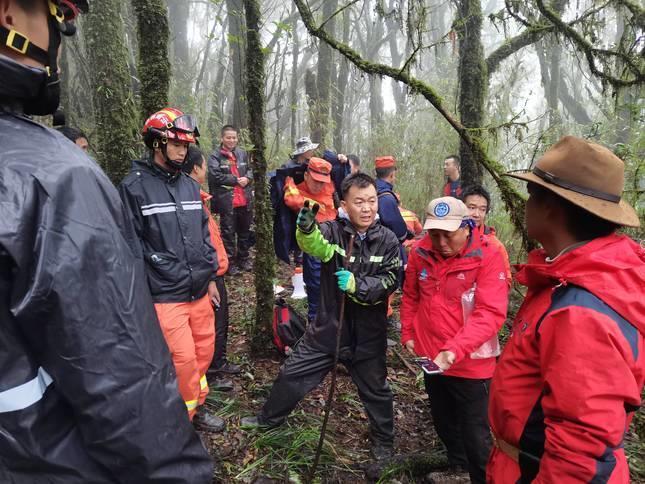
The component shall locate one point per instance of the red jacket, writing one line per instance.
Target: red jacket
(431, 312)
(572, 372)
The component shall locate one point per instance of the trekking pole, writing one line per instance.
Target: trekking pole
(332, 388)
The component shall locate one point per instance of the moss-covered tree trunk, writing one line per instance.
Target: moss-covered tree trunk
(264, 259)
(473, 81)
(325, 69)
(236, 40)
(116, 120)
(153, 64)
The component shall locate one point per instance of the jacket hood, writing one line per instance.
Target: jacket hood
(612, 268)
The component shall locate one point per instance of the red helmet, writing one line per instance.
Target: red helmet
(169, 123)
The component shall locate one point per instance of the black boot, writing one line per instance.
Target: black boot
(206, 421)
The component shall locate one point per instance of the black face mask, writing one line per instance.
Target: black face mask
(42, 94)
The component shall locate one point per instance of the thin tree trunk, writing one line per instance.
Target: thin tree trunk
(104, 32)
(293, 96)
(153, 64)
(325, 68)
(236, 29)
(264, 259)
(311, 89)
(338, 110)
(178, 12)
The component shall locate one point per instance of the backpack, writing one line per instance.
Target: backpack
(288, 326)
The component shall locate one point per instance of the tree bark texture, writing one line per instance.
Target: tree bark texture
(153, 63)
(264, 259)
(325, 69)
(293, 94)
(115, 111)
(340, 85)
(473, 81)
(236, 41)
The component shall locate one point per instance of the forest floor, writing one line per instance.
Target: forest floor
(285, 454)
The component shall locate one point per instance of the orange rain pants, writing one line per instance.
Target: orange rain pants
(190, 334)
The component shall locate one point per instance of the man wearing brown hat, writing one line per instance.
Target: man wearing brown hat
(572, 372)
(317, 187)
(454, 301)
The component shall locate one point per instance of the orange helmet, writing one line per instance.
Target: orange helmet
(169, 123)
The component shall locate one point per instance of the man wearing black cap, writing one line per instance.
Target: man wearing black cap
(87, 389)
(572, 372)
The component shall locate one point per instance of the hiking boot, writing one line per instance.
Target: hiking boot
(229, 368)
(207, 422)
(381, 452)
(253, 422)
(220, 385)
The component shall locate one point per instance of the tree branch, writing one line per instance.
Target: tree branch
(513, 200)
(529, 36)
(590, 52)
(340, 10)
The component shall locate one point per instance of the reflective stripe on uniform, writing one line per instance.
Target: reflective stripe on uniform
(191, 404)
(25, 395)
(154, 208)
(376, 258)
(203, 383)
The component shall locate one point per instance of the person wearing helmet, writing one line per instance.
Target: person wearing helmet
(88, 392)
(165, 207)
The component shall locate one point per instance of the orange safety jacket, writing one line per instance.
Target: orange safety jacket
(296, 195)
(216, 238)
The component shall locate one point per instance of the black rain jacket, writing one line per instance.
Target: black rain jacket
(88, 392)
(169, 219)
(375, 264)
(221, 180)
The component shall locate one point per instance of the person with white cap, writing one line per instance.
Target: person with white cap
(571, 375)
(446, 265)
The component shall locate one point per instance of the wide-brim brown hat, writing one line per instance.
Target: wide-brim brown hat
(586, 174)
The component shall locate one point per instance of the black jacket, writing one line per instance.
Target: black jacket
(169, 219)
(375, 264)
(88, 392)
(221, 181)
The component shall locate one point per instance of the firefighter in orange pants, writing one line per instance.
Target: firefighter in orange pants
(180, 261)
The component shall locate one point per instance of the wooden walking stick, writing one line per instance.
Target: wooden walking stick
(332, 388)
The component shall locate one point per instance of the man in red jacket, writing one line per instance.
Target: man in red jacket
(447, 263)
(572, 372)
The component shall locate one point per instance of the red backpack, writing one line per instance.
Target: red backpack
(288, 326)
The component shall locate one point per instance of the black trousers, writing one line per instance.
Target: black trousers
(459, 408)
(306, 368)
(236, 224)
(221, 325)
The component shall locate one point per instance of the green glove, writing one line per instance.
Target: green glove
(346, 281)
(306, 220)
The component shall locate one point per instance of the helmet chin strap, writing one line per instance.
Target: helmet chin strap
(174, 164)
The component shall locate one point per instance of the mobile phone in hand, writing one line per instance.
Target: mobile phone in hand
(428, 366)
